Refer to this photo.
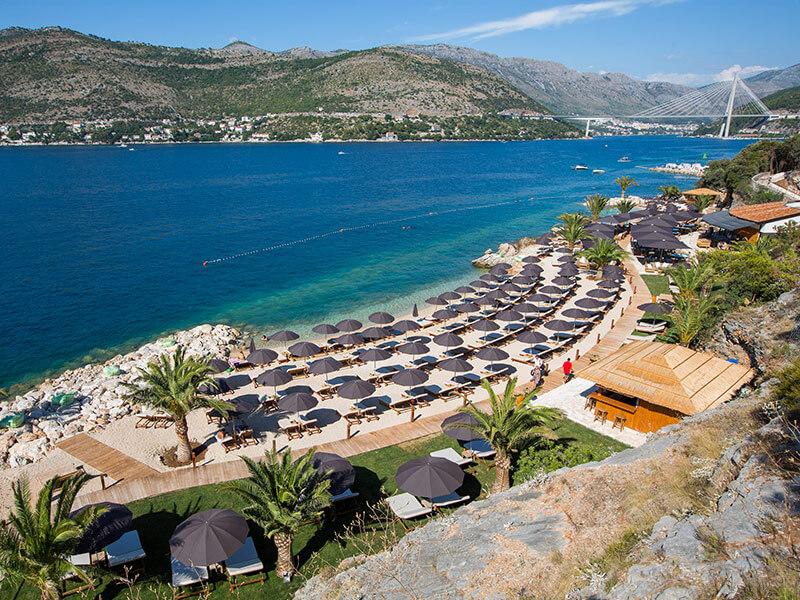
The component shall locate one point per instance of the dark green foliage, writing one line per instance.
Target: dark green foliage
(787, 390)
(549, 455)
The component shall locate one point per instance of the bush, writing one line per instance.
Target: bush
(551, 455)
(787, 391)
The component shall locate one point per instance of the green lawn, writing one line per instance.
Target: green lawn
(657, 284)
(316, 546)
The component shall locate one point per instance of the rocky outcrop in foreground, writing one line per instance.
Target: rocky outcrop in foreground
(702, 505)
(490, 258)
(99, 398)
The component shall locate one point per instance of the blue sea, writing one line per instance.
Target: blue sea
(104, 248)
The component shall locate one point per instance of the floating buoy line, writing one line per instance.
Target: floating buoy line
(344, 230)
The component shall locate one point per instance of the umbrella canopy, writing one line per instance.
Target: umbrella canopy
(406, 325)
(600, 293)
(375, 333)
(273, 377)
(465, 289)
(107, 528)
(466, 307)
(562, 249)
(551, 290)
(558, 325)
(478, 284)
(415, 311)
(608, 284)
(531, 259)
(218, 365)
(525, 307)
(544, 239)
(453, 426)
(350, 339)
(450, 296)
(568, 271)
(661, 244)
(523, 280)
(657, 308)
(413, 348)
(297, 401)
(410, 377)
(496, 294)
(485, 325)
(325, 329)
(563, 281)
(208, 537)
(486, 301)
(531, 337)
(325, 365)
(437, 301)
(510, 287)
(489, 277)
(612, 270)
(456, 365)
(532, 270)
(340, 472)
(381, 318)
(302, 349)
(564, 259)
(355, 389)
(375, 354)
(429, 477)
(218, 386)
(444, 313)
(590, 303)
(262, 356)
(348, 325)
(540, 298)
(283, 336)
(244, 405)
(576, 313)
(509, 315)
(492, 354)
(448, 340)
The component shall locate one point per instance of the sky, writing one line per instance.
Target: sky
(692, 42)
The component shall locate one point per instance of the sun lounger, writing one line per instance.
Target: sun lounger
(246, 438)
(242, 366)
(480, 449)
(651, 326)
(399, 406)
(352, 416)
(245, 561)
(228, 443)
(448, 500)
(126, 550)
(452, 456)
(292, 430)
(345, 502)
(79, 560)
(309, 425)
(184, 576)
(405, 506)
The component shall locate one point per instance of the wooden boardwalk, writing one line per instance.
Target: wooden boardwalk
(103, 458)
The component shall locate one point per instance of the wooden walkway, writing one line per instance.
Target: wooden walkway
(103, 458)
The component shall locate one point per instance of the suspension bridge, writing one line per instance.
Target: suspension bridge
(722, 100)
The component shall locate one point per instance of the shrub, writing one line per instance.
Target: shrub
(787, 391)
(551, 455)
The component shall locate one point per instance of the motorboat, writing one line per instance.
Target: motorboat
(624, 159)
(580, 168)
(598, 171)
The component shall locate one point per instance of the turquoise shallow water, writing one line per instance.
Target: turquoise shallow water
(104, 248)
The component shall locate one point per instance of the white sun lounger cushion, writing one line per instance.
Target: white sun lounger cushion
(448, 500)
(185, 575)
(452, 456)
(80, 560)
(480, 448)
(345, 495)
(407, 506)
(245, 560)
(126, 549)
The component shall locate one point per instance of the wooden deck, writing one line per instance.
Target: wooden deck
(103, 458)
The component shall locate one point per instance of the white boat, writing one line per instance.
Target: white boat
(340, 152)
(580, 168)
(598, 171)
(624, 159)
(123, 145)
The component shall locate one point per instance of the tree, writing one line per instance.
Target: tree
(280, 496)
(173, 386)
(689, 316)
(37, 541)
(625, 205)
(572, 232)
(506, 427)
(604, 252)
(596, 204)
(624, 183)
(670, 192)
(691, 281)
(701, 203)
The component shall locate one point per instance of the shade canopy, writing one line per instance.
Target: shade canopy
(348, 325)
(558, 325)
(283, 336)
(465, 289)
(218, 385)
(413, 348)
(509, 315)
(531, 337)
(668, 375)
(563, 281)
(273, 377)
(262, 356)
(406, 325)
(218, 365)
(375, 333)
(455, 365)
(448, 340)
(355, 389)
(526, 307)
(485, 325)
(510, 287)
(324, 365)
(444, 313)
(302, 349)
(590, 303)
(600, 293)
(551, 290)
(466, 307)
(492, 354)
(531, 259)
(429, 477)
(208, 537)
(375, 354)
(340, 472)
(325, 329)
(108, 527)
(454, 427)
(656, 308)
(350, 339)
(576, 313)
(725, 220)
(381, 318)
(608, 284)
(410, 377)
(297, 401)
(437, 301)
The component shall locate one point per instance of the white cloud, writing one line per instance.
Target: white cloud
(699, 79)
(548, 17)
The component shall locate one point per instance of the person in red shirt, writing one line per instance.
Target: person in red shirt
(567, 366)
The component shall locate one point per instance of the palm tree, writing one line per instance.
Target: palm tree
(37, 541)
(691, 281)
(280, 496)
(506, 427)
(624, 183)
(670, 192)
(625, 205)
(172, 387)
(596, 204)
(701, 203)
(689, 316)
(603, 253)
(572, 233)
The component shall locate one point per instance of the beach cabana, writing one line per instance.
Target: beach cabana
(648, 385)
(692, 194)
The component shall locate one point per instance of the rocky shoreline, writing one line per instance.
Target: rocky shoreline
(99, 398)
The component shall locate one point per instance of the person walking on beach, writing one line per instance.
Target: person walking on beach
(567, 366)
(536, 372)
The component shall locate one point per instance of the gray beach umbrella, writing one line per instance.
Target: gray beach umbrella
(481, 285)
(208, 537)
(466, 307)
(406, 326)
(540, 298)
(568, 271)
(526, 308)
(576, 313)
(510, 287)
(509, 315)
(252, 345)
(563, 281)
(340, 472)
(218, 365)
(375, 333)
(532, 269)
(491, 277)
(600, 293)
(437, 301)
(348, 325)
(273, 377)
(562, 249)
(283, 336)
(381, 318)
(323, 366)
(551, 290)
(429, 477)
(496, 294)
(456, 365)
(413, 348)
(608, 284)
(492, 354)
(448, 340)
(415, 311)
(350, 339)
(244, 405)
(355, 389)
(612, 270)
(444, 314)
(531, 259)
(662, 244)
(454, 427)
(564, 259)
(544, 239)
(325, 329)
(410, 377)
(374, 354)
(262, 356)
(485, 325)
(297, 401)
(107, 528)
(523, 280)
(218, 386)
(656, 308)
(304, 349)
(590, 303)
(465, 289)
(531, 337)
(450, 296)
(558, 325)
(486, 301)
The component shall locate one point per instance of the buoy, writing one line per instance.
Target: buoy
(205, 263)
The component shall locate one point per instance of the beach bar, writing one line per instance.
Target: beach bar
(648, 385)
